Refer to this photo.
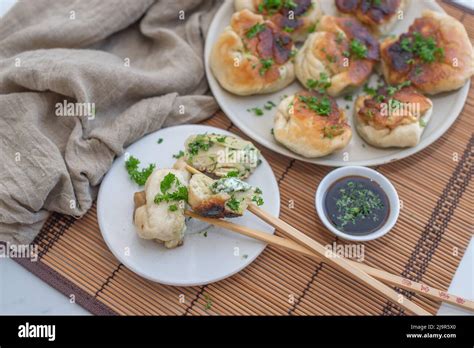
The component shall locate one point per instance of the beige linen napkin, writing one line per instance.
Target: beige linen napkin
(127, 67)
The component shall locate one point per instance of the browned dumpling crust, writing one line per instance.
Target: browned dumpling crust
(435, 54)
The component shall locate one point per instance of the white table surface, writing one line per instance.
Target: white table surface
(21, 292)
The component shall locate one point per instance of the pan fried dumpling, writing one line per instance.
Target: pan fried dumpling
(225, 197)
(252, 56)
(311, 124)
(296, 17)
(220, 155)
(340, 56)
(435, 54)
(393, 116)
(161, 216)
(380, 16)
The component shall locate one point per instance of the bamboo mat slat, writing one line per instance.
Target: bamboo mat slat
(427, 244)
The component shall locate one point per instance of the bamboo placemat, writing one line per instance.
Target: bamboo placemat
(427, 244)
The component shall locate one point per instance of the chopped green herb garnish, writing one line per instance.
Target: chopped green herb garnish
(258, 200)
(173, 207)
(269, 105)
(290, 4)
(354, 202)
(159, 141)
(266, 65)
(233, 174)
(208, 304)
(254, 30)
(348, 97)
(139, 176)
(391, 90)
(200, 142)
(167, 181)
(331, 59)
(369, 90)
(179, 154)
(233, 204)
(180, 194)
(319, 85)
(256, 111)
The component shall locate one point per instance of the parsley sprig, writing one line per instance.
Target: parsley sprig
(233, 204)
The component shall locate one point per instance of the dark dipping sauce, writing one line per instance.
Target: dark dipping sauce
(356, 205)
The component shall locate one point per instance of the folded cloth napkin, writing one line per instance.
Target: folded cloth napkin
(79, 81)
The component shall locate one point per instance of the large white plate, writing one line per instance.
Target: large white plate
(447, 106)
(201, 259)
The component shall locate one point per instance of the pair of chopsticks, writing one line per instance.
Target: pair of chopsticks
(307, 246)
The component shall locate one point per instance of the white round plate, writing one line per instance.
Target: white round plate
(200, 260)
(446, 109)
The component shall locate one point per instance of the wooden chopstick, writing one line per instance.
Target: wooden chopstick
(422, 289)
(341, 263)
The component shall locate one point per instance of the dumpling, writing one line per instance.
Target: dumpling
(379, 16)
(159, 215)
(296, 17)
(221, 155)
(339, 57)
(392, 116)
(311, 124)
(226, 197)
(252, 56)
(436, 55)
